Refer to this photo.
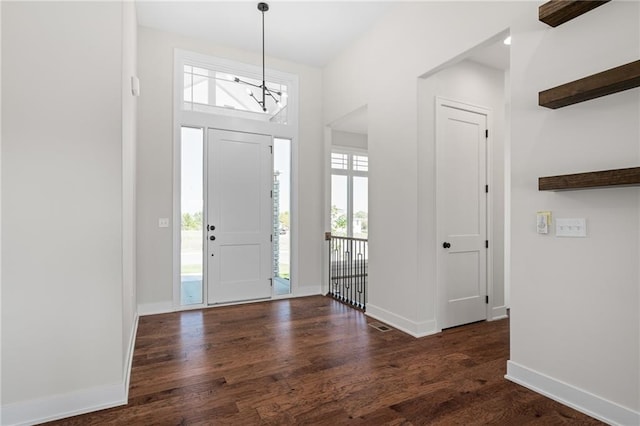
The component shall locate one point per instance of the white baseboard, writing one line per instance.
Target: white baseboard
(155, 308)
(498, 313)
(415, 329)
(307, 291)
(55, 407)
(40, 410)
(167, 307)
(132, 345)
(571, 396)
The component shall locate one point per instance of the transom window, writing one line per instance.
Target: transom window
(213, 91)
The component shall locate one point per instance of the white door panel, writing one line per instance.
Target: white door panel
(239, 208)
(239, 186)
(462, 205)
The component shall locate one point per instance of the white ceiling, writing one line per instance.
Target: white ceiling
(306, 32)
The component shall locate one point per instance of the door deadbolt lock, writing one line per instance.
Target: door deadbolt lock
(211, 228)
(212, 238)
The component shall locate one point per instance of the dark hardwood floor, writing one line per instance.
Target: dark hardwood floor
(315, 361)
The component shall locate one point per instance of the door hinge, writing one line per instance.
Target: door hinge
(486, 299)
(486, 243)
(271, 280)
(272, 193)
(486, 133)
(486, 188)
(271, 148)
(271, 237)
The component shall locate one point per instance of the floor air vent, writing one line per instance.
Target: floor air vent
(380, 327)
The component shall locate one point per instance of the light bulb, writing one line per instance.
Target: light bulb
(249, 92)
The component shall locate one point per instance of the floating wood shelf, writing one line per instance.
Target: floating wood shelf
(616, 177)
(594, 86)
(557, 12)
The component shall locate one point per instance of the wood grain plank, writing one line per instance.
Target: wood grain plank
(603, 178)
(604, 83)
(557, 12)
(314, 361)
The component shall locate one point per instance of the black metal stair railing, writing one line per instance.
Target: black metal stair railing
(348, 270)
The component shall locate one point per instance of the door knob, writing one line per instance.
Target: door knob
(446, 245)
(212, 238)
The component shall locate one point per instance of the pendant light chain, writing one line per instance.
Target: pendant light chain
(262, 7)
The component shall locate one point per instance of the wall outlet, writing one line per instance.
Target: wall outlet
(163, 222)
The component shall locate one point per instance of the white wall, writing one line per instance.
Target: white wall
(574, 302)
(348, 139)
(408, 43)
(471, 83)
(63, 347)
(155, 142)
(129, 147)
(0, 207)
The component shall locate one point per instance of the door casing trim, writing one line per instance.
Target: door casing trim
(446, 102)
(205, 121)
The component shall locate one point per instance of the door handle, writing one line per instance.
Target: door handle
(212, 238)
(446, 245)
(211, 227)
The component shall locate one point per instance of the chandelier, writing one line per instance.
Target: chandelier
(276, 96)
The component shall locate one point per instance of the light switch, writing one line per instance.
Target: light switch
(543, 221)
(571, 227)
(163, 222)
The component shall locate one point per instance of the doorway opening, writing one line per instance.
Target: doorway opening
(461, 199)
(239, 220)
(347, 207)
(235, 187)
(476, 78)
(194, 238)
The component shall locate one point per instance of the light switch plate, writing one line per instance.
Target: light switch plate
(543, 221)
(163, 222)
(576, 228)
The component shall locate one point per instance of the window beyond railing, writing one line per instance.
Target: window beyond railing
(348, 270)
(349, 194)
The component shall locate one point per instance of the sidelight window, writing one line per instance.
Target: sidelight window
(191, 203)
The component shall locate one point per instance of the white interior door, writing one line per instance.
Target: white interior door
(239, 210)
(461, 144)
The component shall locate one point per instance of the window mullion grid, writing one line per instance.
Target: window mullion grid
(191, 88)
(350, 173)
(212, 86)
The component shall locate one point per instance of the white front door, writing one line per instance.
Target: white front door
(461, 146)
(239, 213)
